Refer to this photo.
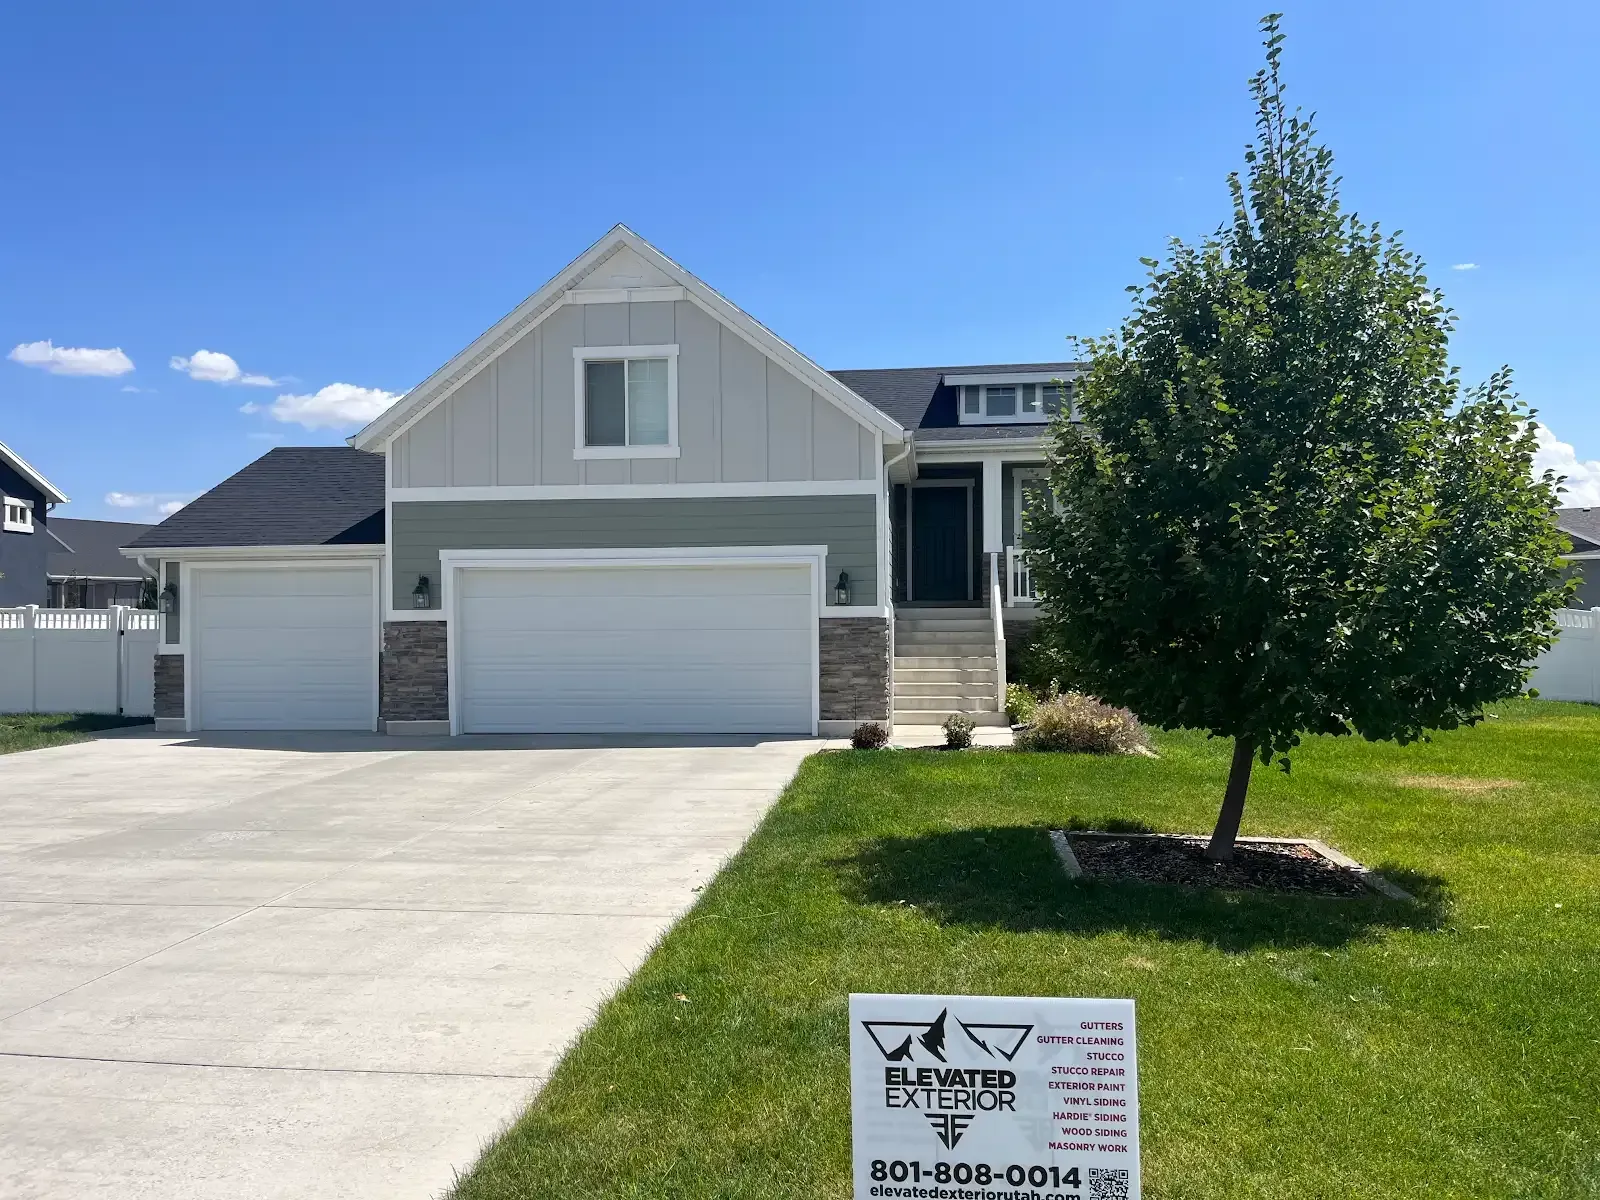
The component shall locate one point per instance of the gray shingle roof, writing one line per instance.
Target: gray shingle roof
(95, 549)
(1582, 525)
(290, 496)
(915, 397)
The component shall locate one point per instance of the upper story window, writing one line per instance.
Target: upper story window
(18, 515)
(626, 402)
(1011, 402)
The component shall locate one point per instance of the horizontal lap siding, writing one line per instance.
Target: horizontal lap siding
(847, 525)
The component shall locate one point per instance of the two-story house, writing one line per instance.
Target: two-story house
(626, 507)
(26, 498)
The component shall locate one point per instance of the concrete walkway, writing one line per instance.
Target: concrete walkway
(326, 965)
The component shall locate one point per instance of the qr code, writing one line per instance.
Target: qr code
(1107, 1184)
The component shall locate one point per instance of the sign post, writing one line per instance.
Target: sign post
(994, 1097)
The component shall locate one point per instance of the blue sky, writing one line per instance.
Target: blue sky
(346, 194)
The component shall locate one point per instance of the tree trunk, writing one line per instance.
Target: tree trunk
(1222, 837)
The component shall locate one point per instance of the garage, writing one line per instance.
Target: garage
(649, 647)
(283, 647)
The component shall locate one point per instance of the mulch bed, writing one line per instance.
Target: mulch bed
(1256, 866)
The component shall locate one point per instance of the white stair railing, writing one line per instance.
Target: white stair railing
(1019, 577)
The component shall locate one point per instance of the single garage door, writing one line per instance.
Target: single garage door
(637, 649)
(284, 648)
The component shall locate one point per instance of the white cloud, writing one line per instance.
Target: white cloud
(339, 405)
(213, 366)
(1583, 475)
(138, 391)
(71, 360)
(160, 503)
(1465, 267)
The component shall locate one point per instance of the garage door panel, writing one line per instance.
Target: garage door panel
(284, 648)
(649, 649)
(641, 581)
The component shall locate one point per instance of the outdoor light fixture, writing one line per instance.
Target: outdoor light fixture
(841, 590)
(419, 594)
(167, 602)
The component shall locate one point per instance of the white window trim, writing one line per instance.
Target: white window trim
(586, 354)
(453, 562)
(984, 417)
(14, 526)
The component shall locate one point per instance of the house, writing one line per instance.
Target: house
(627, 506)
(1582, 526)
(85, 567)
(25, 542)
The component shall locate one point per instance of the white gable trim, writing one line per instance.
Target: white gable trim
(439, 386)
(52, 494)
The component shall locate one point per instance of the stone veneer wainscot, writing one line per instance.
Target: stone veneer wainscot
(169, 685)
(414, 682)
(853, 654)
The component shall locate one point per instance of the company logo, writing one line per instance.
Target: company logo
(894, 1039)
(949, 1097)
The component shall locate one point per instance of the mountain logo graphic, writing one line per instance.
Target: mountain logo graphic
(1004, 1040)
(949, 1126)
(894, 1038)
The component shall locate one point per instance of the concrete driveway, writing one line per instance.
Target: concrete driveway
(326, 965)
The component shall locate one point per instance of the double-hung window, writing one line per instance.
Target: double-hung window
(18, 515)
(627, 401)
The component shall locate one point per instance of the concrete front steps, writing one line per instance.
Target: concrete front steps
(944, 663)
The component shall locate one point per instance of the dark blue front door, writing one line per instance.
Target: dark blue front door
(941, 555)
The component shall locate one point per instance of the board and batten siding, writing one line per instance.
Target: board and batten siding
(847, 525)
(742, 418)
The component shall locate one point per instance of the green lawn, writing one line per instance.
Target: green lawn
(33, 731)
(1290, 1047)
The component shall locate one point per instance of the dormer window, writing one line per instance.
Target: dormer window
(1007, 401)
(18, 515)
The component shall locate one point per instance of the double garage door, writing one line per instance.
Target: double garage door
(724, 648)
(720, 648)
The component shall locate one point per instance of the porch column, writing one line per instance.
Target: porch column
(993, 542)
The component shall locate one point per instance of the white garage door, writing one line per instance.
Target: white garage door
(282, 648)
(637, 649)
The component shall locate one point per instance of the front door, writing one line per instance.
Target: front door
(941, 549)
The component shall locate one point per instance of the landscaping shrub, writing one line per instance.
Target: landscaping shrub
(958, 729)
(870, 735)
(1077, 724)
(1020, 704)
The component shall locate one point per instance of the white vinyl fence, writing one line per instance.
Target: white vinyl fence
(1570, 669)
(89, 660)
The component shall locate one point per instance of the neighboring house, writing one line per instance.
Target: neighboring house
(25, 542)
(1582, 526)
(627, 507)
(86, 568)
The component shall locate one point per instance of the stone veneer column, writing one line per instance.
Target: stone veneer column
(413, 678)
(854, 664)
(169, 687)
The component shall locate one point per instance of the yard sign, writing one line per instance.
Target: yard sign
(994, 1097)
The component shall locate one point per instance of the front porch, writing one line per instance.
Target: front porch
(960, 579)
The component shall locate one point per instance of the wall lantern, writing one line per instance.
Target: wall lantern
(167, 602)
(841, 590)
(420, 595)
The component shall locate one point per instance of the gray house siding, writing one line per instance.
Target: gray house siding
(1587, 573)
(847, 525)
(23, 555)
(741, 416)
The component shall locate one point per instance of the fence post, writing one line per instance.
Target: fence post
(114, 625)
(31, 621)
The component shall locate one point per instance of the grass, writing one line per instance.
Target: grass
(1291, 1047)
(34, 731)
